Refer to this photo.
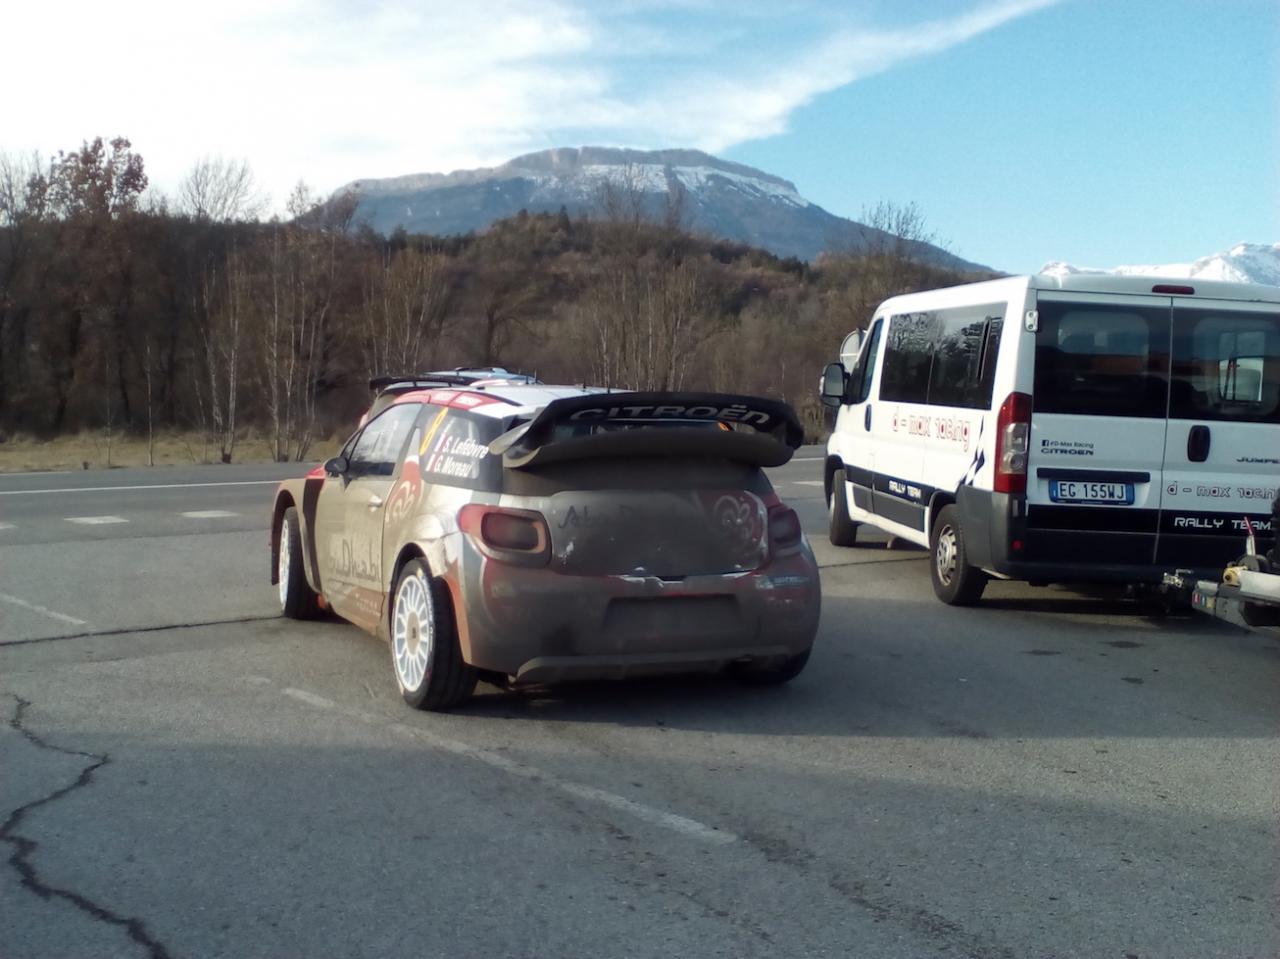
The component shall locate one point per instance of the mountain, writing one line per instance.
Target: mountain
(1243, 263)
(723, 199)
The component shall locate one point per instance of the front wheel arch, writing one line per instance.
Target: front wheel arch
(830, 468)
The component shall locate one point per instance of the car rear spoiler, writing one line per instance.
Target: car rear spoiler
(775, 430)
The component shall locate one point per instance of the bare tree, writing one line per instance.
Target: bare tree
(19, 216)
(406, 301)
(302, 274)
(223, 299)
(219, 190)
(900, 230)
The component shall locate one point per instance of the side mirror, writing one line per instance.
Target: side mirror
(834, 379)
(336, 466)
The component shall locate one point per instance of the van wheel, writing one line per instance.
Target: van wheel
(424, 643)
(841, 530)
(954, 581)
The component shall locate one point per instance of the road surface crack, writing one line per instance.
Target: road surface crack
(24, 849)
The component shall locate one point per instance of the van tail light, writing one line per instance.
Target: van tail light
(1013, 442)
(515, 536)
(784, 528)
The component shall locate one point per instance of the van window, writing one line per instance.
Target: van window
(944, 357)
(1097, 360)
(861, 390)
(908, 357)
(964, 359)
(1226, 366)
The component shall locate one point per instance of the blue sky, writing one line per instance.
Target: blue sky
(1101, 132)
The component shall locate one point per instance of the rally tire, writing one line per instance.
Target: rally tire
(297, 599)
(955, 582)
(841, 530)
(425, 656)
(772, 675)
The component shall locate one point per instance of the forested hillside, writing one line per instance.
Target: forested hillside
(125, 310)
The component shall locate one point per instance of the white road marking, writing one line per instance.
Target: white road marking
(209, 514)
(805, 459)
(650, 814)
(61, 617)
(805, 482)
(311, 699)
(6, 526)
(96, 520)
(124, 489)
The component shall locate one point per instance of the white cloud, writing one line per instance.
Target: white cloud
(332, 91)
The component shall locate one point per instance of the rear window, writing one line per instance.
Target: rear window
(1226, 366)
(454, 450)
(1095, 360)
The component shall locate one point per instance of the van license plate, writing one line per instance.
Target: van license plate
(1062, 491)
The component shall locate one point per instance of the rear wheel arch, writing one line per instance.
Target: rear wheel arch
(408, 552)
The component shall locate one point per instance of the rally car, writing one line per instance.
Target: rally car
(529, 534)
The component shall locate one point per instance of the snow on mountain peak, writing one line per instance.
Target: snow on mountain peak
(1243, 263)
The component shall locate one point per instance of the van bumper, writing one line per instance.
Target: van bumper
(999, 540)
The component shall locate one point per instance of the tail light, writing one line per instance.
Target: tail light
(1013, 441)
(513, 536)
(784, 527)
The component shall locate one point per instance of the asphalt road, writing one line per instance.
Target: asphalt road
(183, 773)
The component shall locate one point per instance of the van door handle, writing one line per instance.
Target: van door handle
(866, 418)
(1198, 444)
(375, 502)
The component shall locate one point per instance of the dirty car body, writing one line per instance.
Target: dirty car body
(561, 534)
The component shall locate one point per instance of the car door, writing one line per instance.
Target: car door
(352, 511)
(1098, 428)
(1222, 453)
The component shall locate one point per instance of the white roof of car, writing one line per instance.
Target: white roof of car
(515, 399)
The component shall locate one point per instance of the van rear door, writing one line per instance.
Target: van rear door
(1222, 454)
(1098, 425)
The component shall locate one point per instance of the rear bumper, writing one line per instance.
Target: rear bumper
(995, 522)
(540, 626)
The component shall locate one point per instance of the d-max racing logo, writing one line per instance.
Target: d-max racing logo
(945, 428)
(1065, 448)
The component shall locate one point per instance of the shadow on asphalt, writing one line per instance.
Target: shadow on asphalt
(893, 669)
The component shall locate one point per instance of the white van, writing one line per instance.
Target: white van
(1060, 429)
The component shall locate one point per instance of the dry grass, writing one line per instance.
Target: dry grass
(90, 450)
